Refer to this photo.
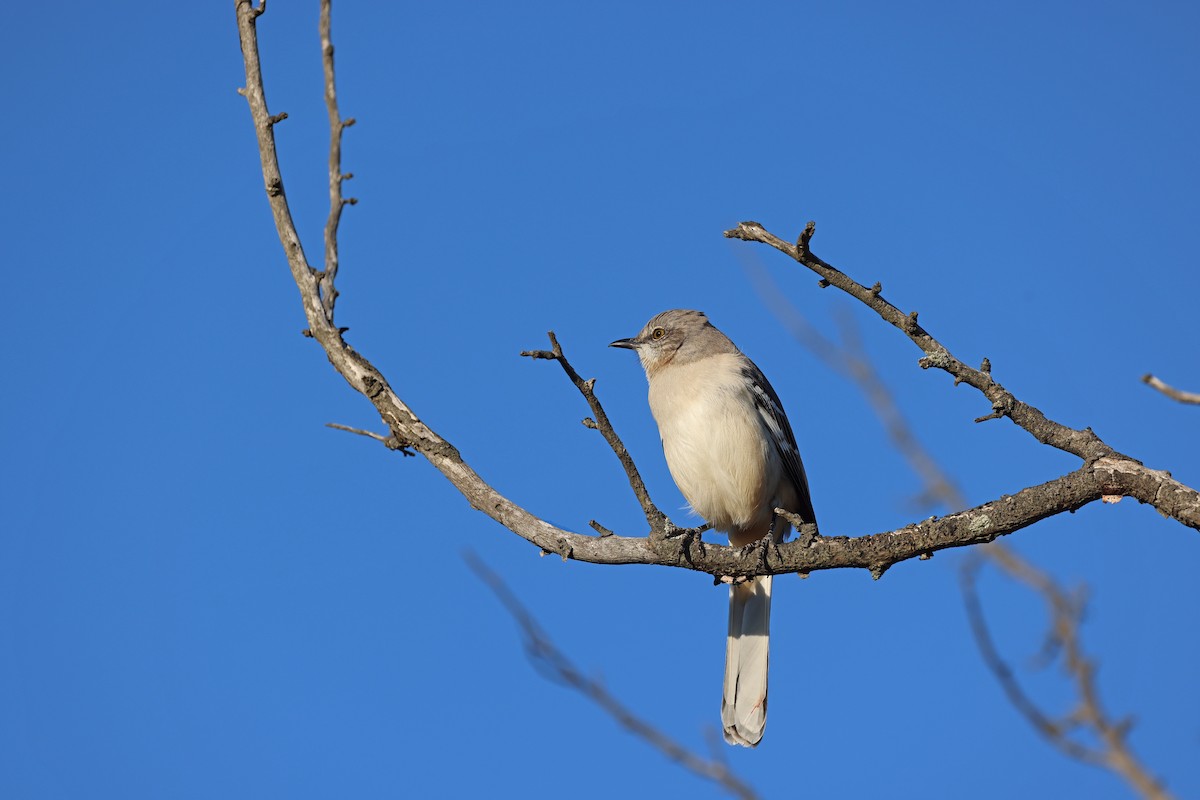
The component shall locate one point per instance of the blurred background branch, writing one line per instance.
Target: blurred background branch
(1088, 721)
(553, 664)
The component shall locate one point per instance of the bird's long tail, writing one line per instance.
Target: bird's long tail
(744, 705)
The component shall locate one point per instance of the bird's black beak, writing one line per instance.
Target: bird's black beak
(628, 344)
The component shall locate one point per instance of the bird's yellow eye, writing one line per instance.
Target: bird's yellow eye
(658, 333)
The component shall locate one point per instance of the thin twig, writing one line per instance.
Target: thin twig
(377, 437)
(389, 441)
(1191, 398)
(337, 126)
(656, 519)
(555, 664)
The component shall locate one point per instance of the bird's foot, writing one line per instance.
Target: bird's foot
(760, 552)
(673, 533)
(763, 549)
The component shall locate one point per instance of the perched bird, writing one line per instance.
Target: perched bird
(732, 454)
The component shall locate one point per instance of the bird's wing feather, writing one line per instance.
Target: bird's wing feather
(771, 410)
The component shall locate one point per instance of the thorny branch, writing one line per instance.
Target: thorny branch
(1104, 472)
(1113, 751)
(545, 655)
(1191, 398)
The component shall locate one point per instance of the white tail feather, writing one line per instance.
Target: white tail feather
(744, 704)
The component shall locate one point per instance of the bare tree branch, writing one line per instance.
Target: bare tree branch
(555, 664)
(1085, 444)
(1066, 612)
(1191, 398)
(337, 126)
(1104, 473)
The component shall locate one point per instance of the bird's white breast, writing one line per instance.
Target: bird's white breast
(715, 442)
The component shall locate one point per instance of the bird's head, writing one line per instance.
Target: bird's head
(676, 336)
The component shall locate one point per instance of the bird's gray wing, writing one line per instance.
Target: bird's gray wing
(771, 410)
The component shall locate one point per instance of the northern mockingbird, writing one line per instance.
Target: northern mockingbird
(732, 454)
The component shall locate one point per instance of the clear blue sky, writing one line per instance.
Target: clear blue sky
(206, 593)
